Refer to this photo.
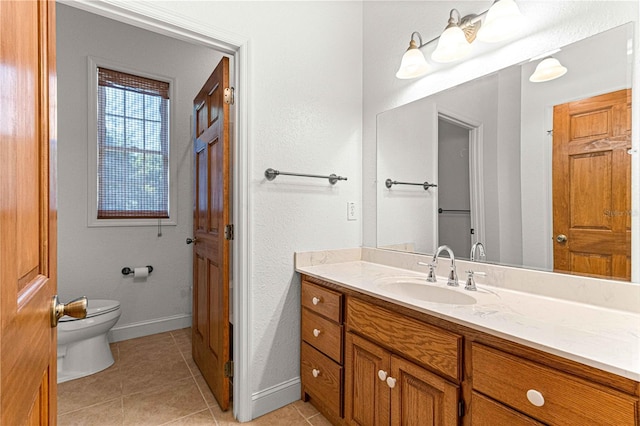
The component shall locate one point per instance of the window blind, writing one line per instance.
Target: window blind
(133, 146)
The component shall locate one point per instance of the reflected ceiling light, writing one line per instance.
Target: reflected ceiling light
(503, 20)
(548, 69)
(413, 63)
(454, 43)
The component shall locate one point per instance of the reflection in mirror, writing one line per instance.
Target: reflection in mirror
(538, 172)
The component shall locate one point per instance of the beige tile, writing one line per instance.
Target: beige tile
(305, 409)
(182, 339)
(89, 390)
(163, 404)
(202, 418)
(285, 416)
(205, 391)
(188, 359)
(319, 420)
(152, 343)
(224, 418)
(104, 414)
(148, 372)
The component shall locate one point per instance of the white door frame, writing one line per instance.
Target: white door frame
(152, 17)
(476, 168)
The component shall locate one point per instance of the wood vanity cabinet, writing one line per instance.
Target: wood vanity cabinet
(322, 349)
(378, 363)
(544, 393)
(382, 388)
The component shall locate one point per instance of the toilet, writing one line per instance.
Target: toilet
(83, 347)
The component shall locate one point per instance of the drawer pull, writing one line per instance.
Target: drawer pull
(315, 372)
(391, 382)
(316, 332)
(316, 300)
(535, 397)
(382, 375)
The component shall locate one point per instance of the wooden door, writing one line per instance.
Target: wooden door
(592, 186)
(27, 212)
(210, 325)
(420, 398)
(366, 394)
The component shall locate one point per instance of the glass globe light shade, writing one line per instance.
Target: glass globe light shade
(452, 45)
(503, 20)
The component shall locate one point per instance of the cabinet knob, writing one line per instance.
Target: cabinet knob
(382, 375)
(315, 300)
(316, 332)
(315, 372)
(535, 397)
(391, 382)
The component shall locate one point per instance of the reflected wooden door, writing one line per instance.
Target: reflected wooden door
(27, 212)
(210, 325)
(592, 186)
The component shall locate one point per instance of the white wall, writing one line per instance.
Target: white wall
(304, 115)
(388, 27)
(90, 259)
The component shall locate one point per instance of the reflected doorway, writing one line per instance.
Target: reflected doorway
(454, 192)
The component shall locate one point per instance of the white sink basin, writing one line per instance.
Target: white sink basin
(415, 289)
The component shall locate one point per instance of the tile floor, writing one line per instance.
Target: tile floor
(154, 381)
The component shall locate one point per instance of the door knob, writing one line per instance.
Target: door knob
(192, 240)
(77, 308)
(561, 238)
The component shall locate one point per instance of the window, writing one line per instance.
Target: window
(132, 146)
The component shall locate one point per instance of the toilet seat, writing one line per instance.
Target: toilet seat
(96, 307)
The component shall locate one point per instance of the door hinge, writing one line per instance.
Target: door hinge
(228, 369)
(228, 232)
(229, 95)
(460, 408)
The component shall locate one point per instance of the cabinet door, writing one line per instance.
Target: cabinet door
(366, 394)
(419, 397)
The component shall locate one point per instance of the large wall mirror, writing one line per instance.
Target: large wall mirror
(538, 172)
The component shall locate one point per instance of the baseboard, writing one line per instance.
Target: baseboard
(146, 328)
(275, 397)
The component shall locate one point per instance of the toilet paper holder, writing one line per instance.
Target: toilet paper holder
(126, 270)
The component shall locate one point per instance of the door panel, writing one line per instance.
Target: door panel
(366, 396)
(592, 186)
(27, 212)
(211, 330)
(421, 398)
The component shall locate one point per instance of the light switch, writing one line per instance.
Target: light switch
(352, 213)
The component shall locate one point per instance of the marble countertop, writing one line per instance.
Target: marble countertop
(604, 338)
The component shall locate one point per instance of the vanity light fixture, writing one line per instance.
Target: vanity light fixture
(413, 62)
(455, 42)
(502, 19)
(548, 69)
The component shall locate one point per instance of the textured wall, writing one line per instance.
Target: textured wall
(90, 259)
(305, 115)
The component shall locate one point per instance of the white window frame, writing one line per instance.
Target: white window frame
(92, 157)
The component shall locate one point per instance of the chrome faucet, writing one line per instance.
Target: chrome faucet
(479, 248)
(453, 276)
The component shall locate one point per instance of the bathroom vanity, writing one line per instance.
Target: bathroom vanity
(381, 346)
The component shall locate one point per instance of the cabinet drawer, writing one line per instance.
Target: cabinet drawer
(323, 301)
(487, 412)
(324, 335)
(567, 399)
(423, 343)
(326, 385)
